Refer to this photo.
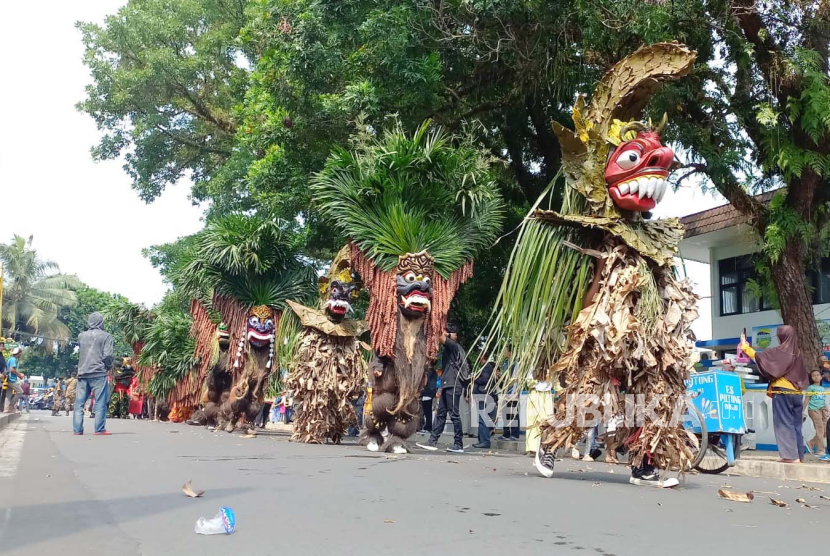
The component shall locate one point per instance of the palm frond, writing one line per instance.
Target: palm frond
(400, 193)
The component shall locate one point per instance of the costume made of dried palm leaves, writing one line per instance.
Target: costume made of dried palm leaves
(590, 290)
(417, 209)
(328, 371)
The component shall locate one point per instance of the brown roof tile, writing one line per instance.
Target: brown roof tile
(718, 218)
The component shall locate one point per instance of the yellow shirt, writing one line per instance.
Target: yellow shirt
(778, 382)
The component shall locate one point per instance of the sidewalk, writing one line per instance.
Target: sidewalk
(7, 418)
(766, 465)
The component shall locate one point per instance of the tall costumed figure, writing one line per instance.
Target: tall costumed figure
(328, 372)
(591, 290)
(417, 210)
(238, 272)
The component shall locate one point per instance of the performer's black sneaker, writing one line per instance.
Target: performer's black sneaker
(544, 462)
(595, 453)
(481, 446)
(456, 449)
(430, 445)
(651, 478)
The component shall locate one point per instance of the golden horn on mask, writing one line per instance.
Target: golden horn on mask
(632, 126)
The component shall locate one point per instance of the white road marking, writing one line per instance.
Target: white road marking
(11, 447)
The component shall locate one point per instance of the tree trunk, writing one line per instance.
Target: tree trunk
(796, 306)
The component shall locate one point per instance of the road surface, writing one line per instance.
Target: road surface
(121, 495)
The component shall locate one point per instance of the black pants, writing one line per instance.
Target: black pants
(2, 399)
(426, 420)
(512, 423)
(449, 403)
(262, 416)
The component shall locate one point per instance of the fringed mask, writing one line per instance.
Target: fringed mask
(414, 284)
(338, 303)
(638, 169)
(261, 332)
(261, 327)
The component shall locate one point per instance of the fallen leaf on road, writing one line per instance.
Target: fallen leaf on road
(659, 503)
(248, 436)
(809, 506)
(726, 486)
(823, 497)
(779, 503)
(452, 461)
(389, 521)
(188, 489)
(171, 431)
(807, 487)
(472, 532)
(801, 500)
(765, 492)
(730, 510)
(747, 526)
(736, 496)
(596, 484)
(611, 471)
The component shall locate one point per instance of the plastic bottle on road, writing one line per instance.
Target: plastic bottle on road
(222, 523)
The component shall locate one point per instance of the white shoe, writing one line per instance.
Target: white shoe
(372, 446)
(543, 462)
(575, 453)
(587, 458)
(398, 449)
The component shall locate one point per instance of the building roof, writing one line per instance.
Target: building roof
(718, 218)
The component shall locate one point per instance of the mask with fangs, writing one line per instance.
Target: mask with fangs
(413, 284)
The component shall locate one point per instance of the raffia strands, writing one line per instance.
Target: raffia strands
(187, 390)
(145, 374)
(383, 304)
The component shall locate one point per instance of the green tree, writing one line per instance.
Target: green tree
(63, 361)
(166, 79)
(34, 292)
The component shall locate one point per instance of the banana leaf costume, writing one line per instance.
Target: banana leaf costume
(328, 372)
(417, 209)
(618, 320)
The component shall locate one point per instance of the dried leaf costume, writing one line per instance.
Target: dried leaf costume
(591, 291)
(328, 371)
(417, 209)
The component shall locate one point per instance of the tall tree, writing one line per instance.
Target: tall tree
(34, 291)
(166, 79)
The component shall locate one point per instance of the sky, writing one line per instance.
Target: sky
(84, 215)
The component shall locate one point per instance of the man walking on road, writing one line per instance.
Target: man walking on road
(455, 372)
(15, 377)
(24, 399)
(94, 362)
(3, 382)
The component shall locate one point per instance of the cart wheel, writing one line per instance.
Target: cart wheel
(714, 459)
(694, 425)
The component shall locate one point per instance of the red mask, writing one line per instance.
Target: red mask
(637, 171)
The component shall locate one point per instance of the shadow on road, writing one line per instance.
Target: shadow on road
(80, 516)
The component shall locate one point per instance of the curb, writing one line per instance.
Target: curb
(804, 472)
(7, 418)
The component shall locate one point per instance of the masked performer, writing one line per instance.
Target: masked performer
(591, 290)
(328, 372)
(238, 270)
(417, 210)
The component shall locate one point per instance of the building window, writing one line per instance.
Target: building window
(735, 297)
(818, 279)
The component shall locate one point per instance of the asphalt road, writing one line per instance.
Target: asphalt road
(121, 495)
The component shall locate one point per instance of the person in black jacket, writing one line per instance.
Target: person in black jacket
(484, 390)
(427, 398)
(454, 375)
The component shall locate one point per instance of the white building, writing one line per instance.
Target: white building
(720, 238)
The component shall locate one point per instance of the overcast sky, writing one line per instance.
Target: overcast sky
(84, 215)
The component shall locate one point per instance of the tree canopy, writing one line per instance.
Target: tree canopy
(249, 98)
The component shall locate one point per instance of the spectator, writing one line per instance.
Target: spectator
(824, 365)
(94, 362)
(427, 398)
(3, 382)
(784, 368)
(455, 372)
(484, 390)
(24, 399)
(14, 377)
(817, 410)
(512, 428)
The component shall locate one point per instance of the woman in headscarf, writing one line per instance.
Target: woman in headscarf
(784, 368)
